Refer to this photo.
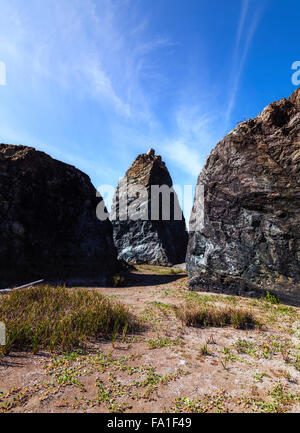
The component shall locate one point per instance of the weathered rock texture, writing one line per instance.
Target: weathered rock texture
(145, 240)
(249, 193)
(48, 224)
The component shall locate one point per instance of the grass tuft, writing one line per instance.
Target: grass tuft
(205, 316)
(204, 350)
(60, 319)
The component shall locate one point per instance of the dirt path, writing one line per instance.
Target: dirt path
(168, 366)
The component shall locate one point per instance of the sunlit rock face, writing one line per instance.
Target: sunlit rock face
(147, 230)
(245, 224)
(48, 226)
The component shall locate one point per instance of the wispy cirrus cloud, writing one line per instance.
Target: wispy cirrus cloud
(244, 37)
(240, 30)
(91, 47)
(106, 58)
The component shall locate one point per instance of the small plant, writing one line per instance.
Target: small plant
(204, 350)
(124, 333)
(243, 346)
(259, 376)
(115, 333)
(287, 375)
(224, 364)
(271, 299)
(211, 340)
(286, 356)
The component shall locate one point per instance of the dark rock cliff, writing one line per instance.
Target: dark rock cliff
(48, 224)
(151, 238)
(245, 223)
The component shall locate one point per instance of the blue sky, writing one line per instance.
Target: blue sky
(96, 82)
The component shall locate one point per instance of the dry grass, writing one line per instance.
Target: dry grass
(204, 316)
(58, 318)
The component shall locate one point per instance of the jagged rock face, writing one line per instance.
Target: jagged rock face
(249, 196)
(148, 237)
(48, 225)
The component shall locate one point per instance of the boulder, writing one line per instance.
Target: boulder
(147, 229)
(245, 223)
(48, 224)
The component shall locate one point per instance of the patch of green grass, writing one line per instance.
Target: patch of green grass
(159, 342)
(209, 403)
(177, 271)
(228, 355)
(119, 381)
(165, 309)
(279, 401)
(109, 395)
(269, 347)
(243, 346)
(60, 319)
(195, 297)
(204, 316)
(159, 304)
(150, 315)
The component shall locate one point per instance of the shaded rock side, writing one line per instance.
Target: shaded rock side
(146, 240)
(48, 224)
(245, 223)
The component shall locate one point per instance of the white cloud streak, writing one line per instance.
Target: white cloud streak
(245, 7)
(241, 53)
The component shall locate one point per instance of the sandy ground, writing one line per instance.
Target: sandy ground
(167, 367)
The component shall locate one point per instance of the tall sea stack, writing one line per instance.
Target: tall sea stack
(245, 223)
(154, 231)
(48, 225)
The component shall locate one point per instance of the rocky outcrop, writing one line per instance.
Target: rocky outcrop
(48, 224)
(245, 223)
(146, 229)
